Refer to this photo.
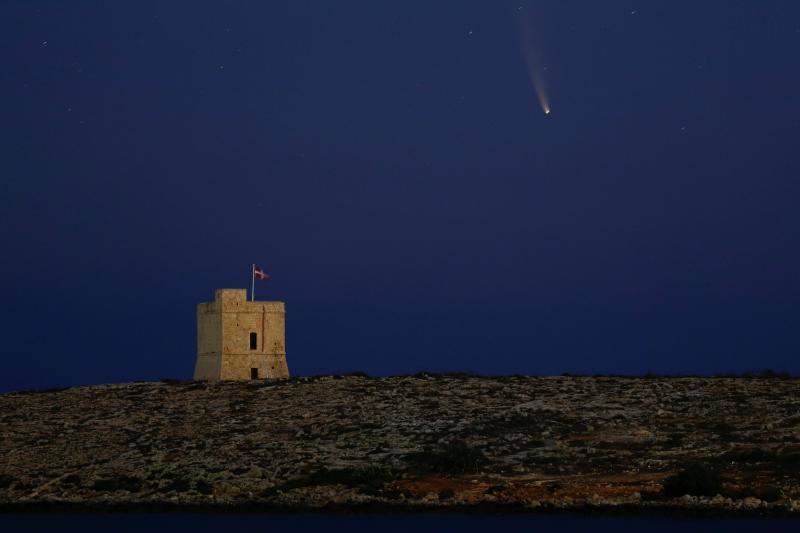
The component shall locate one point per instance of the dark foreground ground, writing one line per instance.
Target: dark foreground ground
(720, 446)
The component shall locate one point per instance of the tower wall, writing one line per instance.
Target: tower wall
(224, 329)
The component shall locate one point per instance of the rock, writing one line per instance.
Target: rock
(255, 472)
(430, 497)
(752, 503)
(312, 442)
(718, 500)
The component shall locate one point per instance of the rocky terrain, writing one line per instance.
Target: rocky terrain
(725, 445)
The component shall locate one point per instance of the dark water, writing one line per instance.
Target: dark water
(379, 524)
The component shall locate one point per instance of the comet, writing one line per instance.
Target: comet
(532, 56)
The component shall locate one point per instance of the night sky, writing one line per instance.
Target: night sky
(389, 164)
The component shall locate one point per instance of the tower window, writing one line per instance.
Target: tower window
(253, 341)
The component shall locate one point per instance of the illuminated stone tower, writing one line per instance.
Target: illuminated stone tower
(237, 339)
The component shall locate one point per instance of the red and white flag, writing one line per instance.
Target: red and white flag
(258, 273)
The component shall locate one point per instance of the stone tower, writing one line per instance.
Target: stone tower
(237, 339)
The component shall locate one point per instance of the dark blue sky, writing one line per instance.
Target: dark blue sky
(389, 165)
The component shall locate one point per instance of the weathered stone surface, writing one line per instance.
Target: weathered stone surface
(429, 441)
(239, 339)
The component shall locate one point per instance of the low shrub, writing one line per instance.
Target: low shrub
(769, 493)
(367, 479)
(41, 391)
(424, 374)
(203, 487)
(697, 480)
(495, 489)
(127, 483)
(356, 374)
(789, 458)
(452, 458)
(177, 485)
(749, 455)
(71, 479)
(446, 494)
(768, 373)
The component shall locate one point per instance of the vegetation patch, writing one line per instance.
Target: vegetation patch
(452, 458)
(749, 455)
(496, 489)
(41, 391)
(442, 375)
(767, 493)
(203, 487)
(766, 373)
(356, 374)
(515, 423)
(177, 485)
(368, 480)
(127, 483)
(446, 494)
(784, 457)
(697, 480)
(71, 479)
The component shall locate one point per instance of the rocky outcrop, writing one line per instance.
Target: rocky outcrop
(424, 441)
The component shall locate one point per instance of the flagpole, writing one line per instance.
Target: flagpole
(253, 283)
